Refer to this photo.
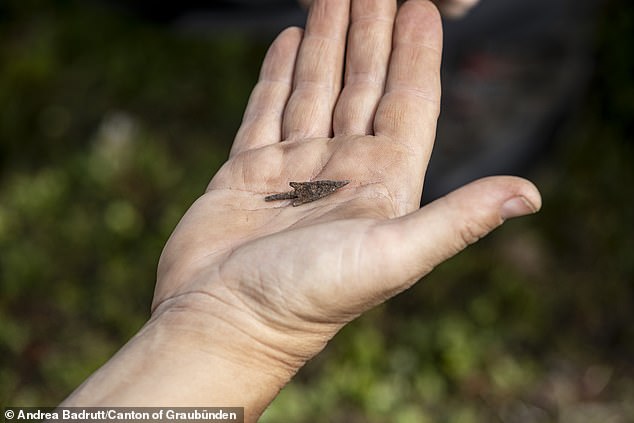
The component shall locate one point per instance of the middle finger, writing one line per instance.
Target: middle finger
(318, 71)
(369, 46)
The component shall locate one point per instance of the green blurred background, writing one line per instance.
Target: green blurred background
(111, 126)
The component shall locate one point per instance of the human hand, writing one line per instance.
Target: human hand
(290, 277)
(248, 290)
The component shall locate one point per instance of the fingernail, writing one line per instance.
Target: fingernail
(516, 207)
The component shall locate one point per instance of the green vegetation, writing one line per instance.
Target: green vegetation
(111, 127)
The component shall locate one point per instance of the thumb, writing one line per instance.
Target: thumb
(445, 227)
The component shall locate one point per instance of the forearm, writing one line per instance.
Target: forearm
(184, 358)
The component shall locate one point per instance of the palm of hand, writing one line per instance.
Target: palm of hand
(279, 250)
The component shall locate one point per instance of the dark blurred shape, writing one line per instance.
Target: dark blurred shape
(512, 71)
(220, 16)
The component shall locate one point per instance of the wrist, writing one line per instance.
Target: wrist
(222, 328)
(255, 330)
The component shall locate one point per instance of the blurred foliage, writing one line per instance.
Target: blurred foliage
(111, 127)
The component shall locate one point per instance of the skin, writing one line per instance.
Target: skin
(247, 291)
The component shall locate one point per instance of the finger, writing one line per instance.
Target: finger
(455, 8)
(262, 121)
(441, 229)
(409, 108)
(368, 55)
(318, 71)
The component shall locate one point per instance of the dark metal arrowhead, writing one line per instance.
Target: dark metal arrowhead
(305, 192)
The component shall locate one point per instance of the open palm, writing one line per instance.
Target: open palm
(355, 97)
